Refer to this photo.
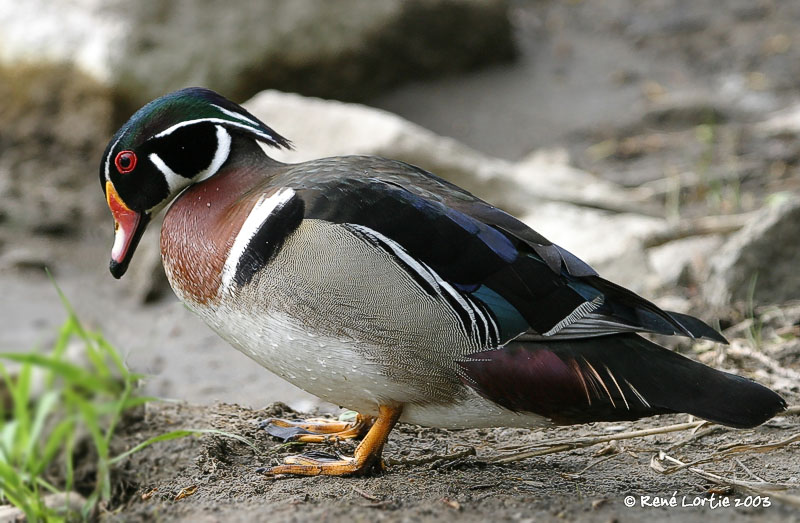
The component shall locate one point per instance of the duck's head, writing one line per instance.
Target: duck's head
(172, 142)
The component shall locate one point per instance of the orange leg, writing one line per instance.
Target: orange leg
(318, 430)
(367, 454)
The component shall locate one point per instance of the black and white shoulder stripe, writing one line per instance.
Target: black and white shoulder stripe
(261, 236)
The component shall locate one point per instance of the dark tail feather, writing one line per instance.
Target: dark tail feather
(697, 327)
(612, 378)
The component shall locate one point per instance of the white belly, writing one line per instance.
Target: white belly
(334, 371)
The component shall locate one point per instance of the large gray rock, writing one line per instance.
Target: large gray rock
(345, 49)
(763, 258)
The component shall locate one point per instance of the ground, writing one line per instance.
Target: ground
(215, 478)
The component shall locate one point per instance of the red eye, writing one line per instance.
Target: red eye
(125, 161)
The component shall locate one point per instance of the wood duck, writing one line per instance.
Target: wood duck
(377, 286)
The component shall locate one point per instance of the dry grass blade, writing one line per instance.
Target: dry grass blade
(736, 449)
(698, 435)
(761, 488)
(739, 348)
(579, 443)
(366, 495)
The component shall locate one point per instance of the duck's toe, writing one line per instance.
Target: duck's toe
(367, 455)
(317, 430)
(323, 463)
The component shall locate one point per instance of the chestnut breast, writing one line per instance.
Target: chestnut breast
(199, 230)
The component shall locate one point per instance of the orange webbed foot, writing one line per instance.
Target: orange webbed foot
(367, 455)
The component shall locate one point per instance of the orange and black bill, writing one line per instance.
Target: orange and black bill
(129, 225)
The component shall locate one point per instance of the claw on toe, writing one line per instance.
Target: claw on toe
(366, 457)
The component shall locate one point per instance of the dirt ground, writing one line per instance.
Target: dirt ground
(589, 484)
(591, 78)
(441, 475)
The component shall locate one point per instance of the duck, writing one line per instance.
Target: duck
(379, 287)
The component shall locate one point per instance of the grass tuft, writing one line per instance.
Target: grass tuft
(48, 403)
(51, 406)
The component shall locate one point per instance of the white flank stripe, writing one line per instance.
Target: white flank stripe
(461, 301)
(479, 313)
(401, 253)
(260, 213)
(247, 127)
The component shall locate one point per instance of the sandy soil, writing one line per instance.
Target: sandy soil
(214, 478)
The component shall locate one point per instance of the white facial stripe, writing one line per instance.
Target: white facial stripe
(108, 158)
(262, 210)
(248, 128)
(175, 181)
(223, 149)
(236, 115)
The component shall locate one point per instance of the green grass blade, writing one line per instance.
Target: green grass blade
(55, 442)
(70, 372)
(114, 355)
(44, 406)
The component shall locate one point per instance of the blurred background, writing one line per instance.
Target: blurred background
(656, 139)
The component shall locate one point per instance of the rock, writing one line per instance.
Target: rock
(56, 122)
(548, 174)
(682, 262)
(761, 259)
(345, 49)
(610, 242)
(345, 128)
(320, 128)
